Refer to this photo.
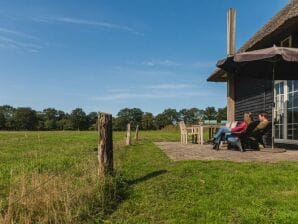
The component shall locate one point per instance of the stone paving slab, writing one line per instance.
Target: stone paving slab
(178, 152)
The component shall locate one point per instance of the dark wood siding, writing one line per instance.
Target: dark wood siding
(253, 95)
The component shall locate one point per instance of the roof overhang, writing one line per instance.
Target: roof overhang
(218, 75)
(285, 21)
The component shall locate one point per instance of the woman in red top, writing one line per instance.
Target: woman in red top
(236, 131)
(241, 127)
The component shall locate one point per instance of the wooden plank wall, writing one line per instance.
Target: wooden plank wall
(252, 95)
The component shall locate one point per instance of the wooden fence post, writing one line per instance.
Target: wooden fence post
(128, 138)
(137, 134)
(105, 146)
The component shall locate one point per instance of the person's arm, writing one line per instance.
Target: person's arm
(260, 126)
(240, 128)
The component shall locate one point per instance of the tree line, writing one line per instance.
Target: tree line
(26, 118)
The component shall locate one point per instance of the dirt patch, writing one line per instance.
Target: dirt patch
(178, 152)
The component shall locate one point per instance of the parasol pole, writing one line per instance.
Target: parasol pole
(273, 107)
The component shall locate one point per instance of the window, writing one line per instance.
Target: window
(279, 113)
(286, 109)
(286, 42)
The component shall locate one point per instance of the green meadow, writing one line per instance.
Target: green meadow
(51, 177)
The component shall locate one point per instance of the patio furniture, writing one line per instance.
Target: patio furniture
(211, 130)
(186, 131)
(253, 140)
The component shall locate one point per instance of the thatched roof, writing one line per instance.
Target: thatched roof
(281, 19)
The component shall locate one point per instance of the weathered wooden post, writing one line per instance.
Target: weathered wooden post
(137, 134)
(128, 138)
(105, 146)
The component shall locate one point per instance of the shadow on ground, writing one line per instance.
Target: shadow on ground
(123, 189)
(146, 177)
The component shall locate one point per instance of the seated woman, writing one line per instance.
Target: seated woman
(253, 135)
(228, 132)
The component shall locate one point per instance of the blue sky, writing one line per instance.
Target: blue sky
(107, 55)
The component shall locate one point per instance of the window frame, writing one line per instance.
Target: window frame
(290, 39)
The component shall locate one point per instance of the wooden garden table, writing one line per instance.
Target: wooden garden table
(199, 129)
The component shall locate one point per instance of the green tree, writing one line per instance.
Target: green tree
(25, 118)
(92, 120)
(8, 112)
(78, 119)
(221, 114)
(191, 116)
(2, 121)
(167, 117)
(161, 121)
(171, 115)
(148, 121)
(210, 113)
(61, 114)
(40, 120)
(51, 118)
(127, 115)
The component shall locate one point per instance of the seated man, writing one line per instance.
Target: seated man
(256, 137)
(254, 131)
(263, 118)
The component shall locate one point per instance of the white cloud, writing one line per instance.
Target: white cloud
(140, 94)
(16, 33)
(6, 42)
(171, 63)
(77, 21)
(165, 62)
(170, 86)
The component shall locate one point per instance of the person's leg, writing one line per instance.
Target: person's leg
(235, 141)
(221, 132)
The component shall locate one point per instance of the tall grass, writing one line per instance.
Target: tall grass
(71, 193)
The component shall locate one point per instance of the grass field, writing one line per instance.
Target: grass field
(148, 187)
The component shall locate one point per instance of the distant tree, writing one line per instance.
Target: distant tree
(61, 114)
(63, 122)
(119, 123)
(221, 114)
(210, 113)
(171, 115)
(50, 113)
(51, 117)
(92, 120)
(167, 117)
(8, 112)
(40, 120)
(148, 121)
(25, 118)
(183, 115)
(161, 120)
(2, 121)
(78, 119)
(191, 116)
(127, 115)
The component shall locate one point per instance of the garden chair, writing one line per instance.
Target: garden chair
(186, 131)
(256, 138)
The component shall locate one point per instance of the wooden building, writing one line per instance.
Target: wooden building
(247, 94)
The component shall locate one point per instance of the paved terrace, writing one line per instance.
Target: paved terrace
(178, 152)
